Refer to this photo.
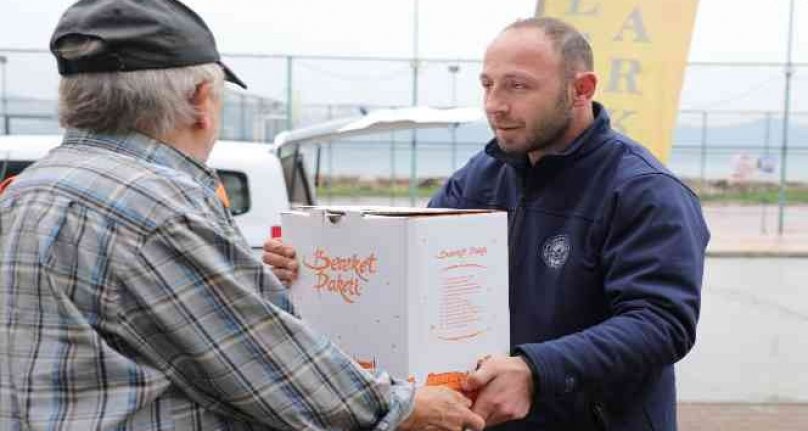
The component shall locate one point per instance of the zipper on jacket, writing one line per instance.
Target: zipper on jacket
(601, 417)
(516, 227)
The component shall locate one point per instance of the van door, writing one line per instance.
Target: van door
(298, 183)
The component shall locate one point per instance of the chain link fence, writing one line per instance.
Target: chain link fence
(728, 140)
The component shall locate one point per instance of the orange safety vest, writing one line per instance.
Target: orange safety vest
(6, 182)
(221, 193)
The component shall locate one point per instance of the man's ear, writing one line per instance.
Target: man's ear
(202, 101)
(584, 86)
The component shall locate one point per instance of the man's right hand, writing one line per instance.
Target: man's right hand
(283, 260)
(440, 408)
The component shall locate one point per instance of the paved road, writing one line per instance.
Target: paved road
(751, 344)
(743, 417)
(748, 368)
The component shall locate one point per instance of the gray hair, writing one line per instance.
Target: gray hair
(576, 53)
(154, 102)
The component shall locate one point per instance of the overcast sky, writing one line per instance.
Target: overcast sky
(748, 30)
(726, 30)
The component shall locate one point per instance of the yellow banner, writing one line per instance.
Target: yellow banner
(640, 49)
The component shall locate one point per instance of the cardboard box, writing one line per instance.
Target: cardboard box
(414, 291)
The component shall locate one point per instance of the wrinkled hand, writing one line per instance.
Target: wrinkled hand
(505, 389)
(440, 408)
(283, 260)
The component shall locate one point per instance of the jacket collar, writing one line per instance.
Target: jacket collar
(587, 141)
(142, 147)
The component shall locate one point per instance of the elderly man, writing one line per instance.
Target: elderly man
(606, 247)
(128, 298)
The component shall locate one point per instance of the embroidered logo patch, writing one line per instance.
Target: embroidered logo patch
(556, 251)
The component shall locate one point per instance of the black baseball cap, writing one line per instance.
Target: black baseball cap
(136, 35)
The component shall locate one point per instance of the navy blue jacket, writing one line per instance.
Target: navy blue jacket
(606, 262)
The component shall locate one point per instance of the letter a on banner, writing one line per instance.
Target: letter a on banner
(641, 49)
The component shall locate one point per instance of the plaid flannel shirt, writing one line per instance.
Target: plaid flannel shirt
(129, 300)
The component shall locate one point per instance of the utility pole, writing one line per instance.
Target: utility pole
(786, 113)
(413, 143)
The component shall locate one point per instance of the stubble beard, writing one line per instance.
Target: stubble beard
(547, 132)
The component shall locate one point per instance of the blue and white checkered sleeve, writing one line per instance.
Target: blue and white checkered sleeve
(195, 312)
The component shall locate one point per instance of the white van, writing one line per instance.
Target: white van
(251, 174)
(261, 180)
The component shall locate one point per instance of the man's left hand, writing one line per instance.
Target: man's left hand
(504, 387)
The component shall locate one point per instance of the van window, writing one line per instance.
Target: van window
(238, 191)
(298, 185)
(10, 168)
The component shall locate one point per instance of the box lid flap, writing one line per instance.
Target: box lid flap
(388, 211)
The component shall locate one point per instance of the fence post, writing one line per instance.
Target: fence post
(289, 122)
(392, 168)
(6, 119)
(703, 161)
(766, 151)
(331, 176)
(453, 70)
(243, 117)
(259, 130)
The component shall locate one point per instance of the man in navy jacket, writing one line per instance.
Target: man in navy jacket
(606, 247)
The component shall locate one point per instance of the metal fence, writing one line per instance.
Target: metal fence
(729, 131)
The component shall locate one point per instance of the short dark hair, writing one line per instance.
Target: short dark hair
(575, 51)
